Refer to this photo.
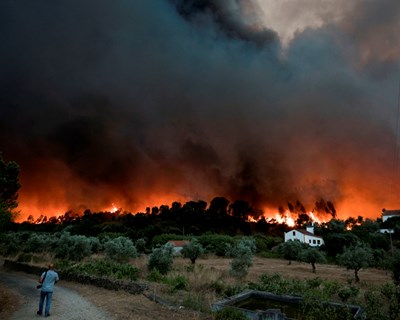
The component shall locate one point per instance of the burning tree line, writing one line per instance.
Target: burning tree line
(196, 212)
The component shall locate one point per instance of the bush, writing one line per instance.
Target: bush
(161, 259)
(345, 293)
(155, 276)
(140, 245)
(216, 243)
(100, 268)
(73, 248)
(38, 243)
(229, 314)
(120, 249)
(10, 244)
(243, 257)
(177, 283)
(291, 250)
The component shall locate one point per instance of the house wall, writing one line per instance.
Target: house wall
(384, 218)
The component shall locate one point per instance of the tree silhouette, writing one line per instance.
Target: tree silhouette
(241, 209)
(9, 186)
(219, 206)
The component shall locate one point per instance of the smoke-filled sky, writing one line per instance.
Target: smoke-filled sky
(138, 103)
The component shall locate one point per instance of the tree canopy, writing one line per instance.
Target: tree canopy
(9, 186)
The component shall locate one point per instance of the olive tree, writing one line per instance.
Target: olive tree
(72, 247)
(356, 257)
(242, 257)
(192, 250)
(120, 249)
(161, 259)
(312, 255)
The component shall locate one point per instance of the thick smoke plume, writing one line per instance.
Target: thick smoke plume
(142, 103)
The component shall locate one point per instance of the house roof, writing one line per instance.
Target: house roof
(391, 213)
(178, 243)
(306, 233)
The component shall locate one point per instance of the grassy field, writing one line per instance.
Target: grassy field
(200, 292)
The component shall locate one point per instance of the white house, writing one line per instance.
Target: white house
(178, 245)
(305, 236)
(386, 214)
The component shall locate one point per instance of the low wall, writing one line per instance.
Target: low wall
(131, 287)
(274, 314)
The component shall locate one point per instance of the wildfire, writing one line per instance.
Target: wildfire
(114, 208)
(289, 218)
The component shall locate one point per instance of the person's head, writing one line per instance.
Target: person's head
(51, 266)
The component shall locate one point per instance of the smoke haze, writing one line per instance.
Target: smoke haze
(141, 103)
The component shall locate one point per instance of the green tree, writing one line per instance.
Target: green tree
(9, 186)
(192, 250)
(312, 255)
(356, 257)
(291, 250)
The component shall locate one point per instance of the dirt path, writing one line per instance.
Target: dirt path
(67, 304)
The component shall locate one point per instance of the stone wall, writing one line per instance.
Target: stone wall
(131, 287)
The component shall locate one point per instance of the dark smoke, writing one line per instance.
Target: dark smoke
(105, 102)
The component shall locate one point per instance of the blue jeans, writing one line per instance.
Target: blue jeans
(47, 296)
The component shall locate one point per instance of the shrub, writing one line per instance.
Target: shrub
(291, 250)
(161, 259)
(197, 302)
(73, 248)
(243, 256)
(10, 244)
(216, 243)
(177, 283)
(120, 249)
(101, 268)
(345, 293)
(37, 243)
(155, 276)
(230, 314)
(140, 245)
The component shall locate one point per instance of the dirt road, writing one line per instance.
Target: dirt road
(67, 303)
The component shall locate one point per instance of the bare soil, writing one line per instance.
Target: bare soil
(124, 306)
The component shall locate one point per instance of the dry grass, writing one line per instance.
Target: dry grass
(212, 271)
(297, 270)
(208, 271)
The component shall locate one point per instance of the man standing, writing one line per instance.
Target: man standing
(48, 279)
